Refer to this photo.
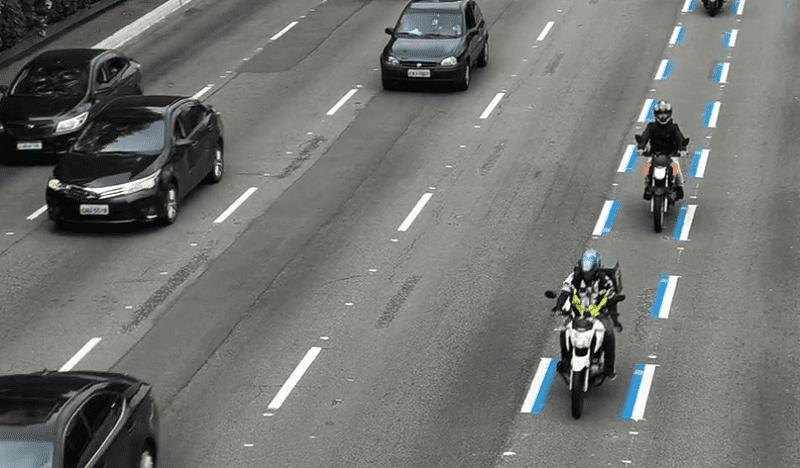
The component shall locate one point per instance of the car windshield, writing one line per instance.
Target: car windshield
(26, 454)
(48, 80)
(125, 131)
(430, 23)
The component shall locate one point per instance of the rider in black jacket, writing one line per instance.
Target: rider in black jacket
(665, 137)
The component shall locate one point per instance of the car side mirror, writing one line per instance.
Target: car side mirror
(389, 31)
(550, 294)
(638, 138)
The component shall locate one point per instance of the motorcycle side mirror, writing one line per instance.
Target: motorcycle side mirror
(389, 31)
(685, 142)
(550, 294)
(620, 297)
(639, 138)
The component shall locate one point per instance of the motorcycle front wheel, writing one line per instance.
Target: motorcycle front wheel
(658, 213)
(577, 393)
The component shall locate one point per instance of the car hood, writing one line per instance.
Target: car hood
(101, 171)
(25, 108)
(424, 49)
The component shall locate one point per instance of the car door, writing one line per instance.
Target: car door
(180, 148)
(195, 120)
(475, 30)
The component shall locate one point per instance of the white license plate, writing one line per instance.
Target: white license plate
(29, 145)
(94, 209)
(419, 73)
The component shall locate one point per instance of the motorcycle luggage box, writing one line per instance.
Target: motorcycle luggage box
(616, 276)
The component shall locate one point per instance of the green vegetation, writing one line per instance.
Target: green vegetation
(21, 18)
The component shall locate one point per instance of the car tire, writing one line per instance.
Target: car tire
(388, 85)
(463, 83)
(217, 167)
(169, 205)
(146, 459)
(483, 60)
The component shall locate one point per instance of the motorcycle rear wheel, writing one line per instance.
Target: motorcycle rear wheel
(658, 213)
(577, 393)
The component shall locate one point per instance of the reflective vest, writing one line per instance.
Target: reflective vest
(593, 309)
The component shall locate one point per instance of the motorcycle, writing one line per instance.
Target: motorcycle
(662, 172)
(712, 6)
(583, 338)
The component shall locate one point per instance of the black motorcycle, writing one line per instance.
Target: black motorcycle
(712, 6)
(662, 193)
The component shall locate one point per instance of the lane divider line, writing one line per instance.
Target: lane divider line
(646, 115)
(606, 219)
(666, 291)
(677, 35)
(203, 91)
(684, 224)
(738, 7)
(712, 114)
(495, 100)
(116, 40)
(628, 159)
(283, 31)
(663, 70)
(546, 30)
(638, 391)
(342, 101)
(415, 212)
(729, 38)
(36, 213)
(235, 205)
(699, 162)
(534, 400)
(688, 6)
(290, 383)
(721, 72)
(74, 360)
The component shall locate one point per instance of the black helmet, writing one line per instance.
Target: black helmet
(663, 112)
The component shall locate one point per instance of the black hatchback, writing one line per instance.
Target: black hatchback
(136, 160)
(56, 93)
(76, 419)
(436, 42)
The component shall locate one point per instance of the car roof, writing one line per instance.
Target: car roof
(436, 5)
(76, 56)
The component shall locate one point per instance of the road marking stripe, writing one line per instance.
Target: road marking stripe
(202, 92)
(684, 223)
(628, 159)
(677, 35)
(415, 212)
(283, 31)
(712, 114)
(342, 101)
(495, 100)
(663, 70)
(139, 26)
(546, 30)
(638, 391)
(739, 7)
(534, 400)
(646, 115)
(36, 213)
(235, 205)
(688, 6)
(80, 355)
(721, 72)
(298, 372)
(729, 39)
(666, 291)
(606, 218)
(699, 162)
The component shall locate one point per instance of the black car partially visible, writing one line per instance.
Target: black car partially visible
(55, 94)
(76, 419)
(436, 42)
(136, 160)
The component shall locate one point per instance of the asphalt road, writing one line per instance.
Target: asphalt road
(417, 345)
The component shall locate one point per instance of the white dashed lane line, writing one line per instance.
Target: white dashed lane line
(80, 355)
(203, 91)
(235, 205)
(415, 212)
(293, 379)
(492, 105)
(37, 213)
(283, 31)
(341, 102)
(546, 30)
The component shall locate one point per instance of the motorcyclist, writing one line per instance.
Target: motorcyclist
(588, 278)
(665, 137)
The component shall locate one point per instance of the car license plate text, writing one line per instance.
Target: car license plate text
(419, 73)
(29, 145)
(94, 209)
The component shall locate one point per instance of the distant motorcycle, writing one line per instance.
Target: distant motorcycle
(662, 172)
(712, 6)
(584, 339)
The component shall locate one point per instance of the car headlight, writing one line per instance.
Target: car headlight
(392, 61)
(449, 62)
(55, 184)
(2, 129)
(72, 124)
(139, 185)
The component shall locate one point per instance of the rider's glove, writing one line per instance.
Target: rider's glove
(618, 326)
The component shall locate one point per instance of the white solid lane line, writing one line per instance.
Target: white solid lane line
(36, 213)
(492, 105)
(235, 205)
(132, 30)
(283, 31)
(301, 368)
(546, 30)
(415, 212)
(342, 101)
(80, 355)
(203, 91)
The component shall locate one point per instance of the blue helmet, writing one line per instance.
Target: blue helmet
(589, 265)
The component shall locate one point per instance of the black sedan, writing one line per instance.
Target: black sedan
(77, 419)
(136, 160)
(54, 95)
(436, 42)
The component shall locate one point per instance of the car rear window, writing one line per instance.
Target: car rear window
(26, 454)
(430, 23)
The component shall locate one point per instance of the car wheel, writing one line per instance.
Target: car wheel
(463, 84)
(217, 168)
(169, 205)
(388, 85)
(147, 460)
(483, 60)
